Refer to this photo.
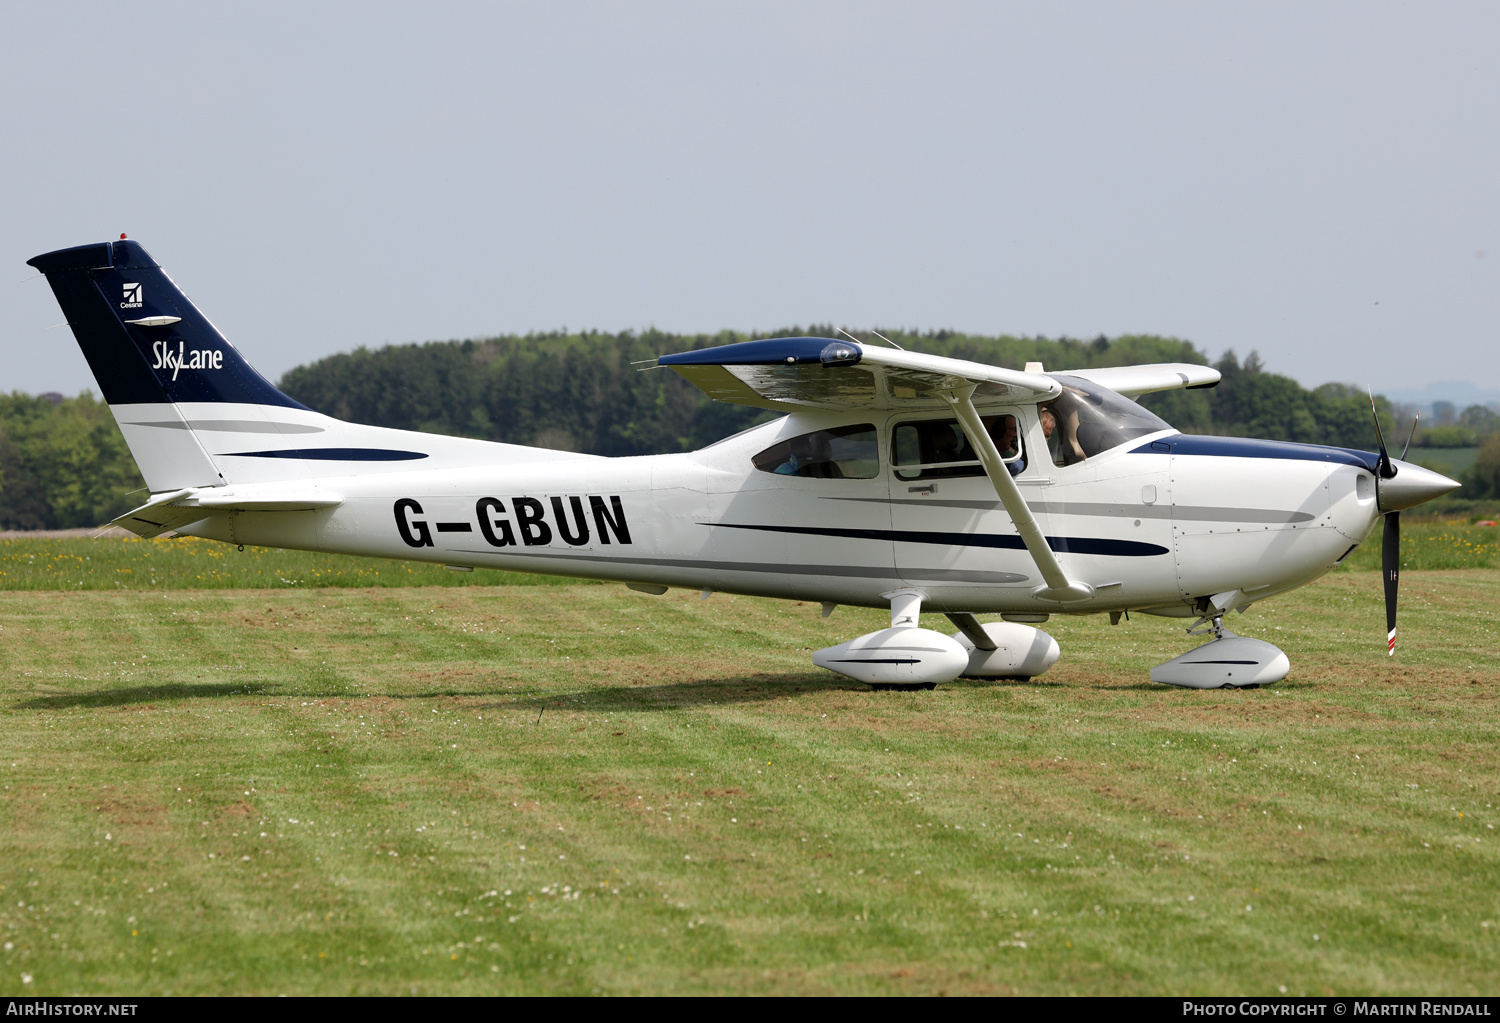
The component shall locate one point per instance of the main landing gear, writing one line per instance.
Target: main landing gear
(906, 656)
(1225, 662)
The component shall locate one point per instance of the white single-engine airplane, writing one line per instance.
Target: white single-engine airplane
(895, 480)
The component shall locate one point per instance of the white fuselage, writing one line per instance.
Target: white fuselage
(1147, 529)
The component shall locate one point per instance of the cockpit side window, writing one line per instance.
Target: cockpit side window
(842, 453)
(1087, 419)
(939, 449)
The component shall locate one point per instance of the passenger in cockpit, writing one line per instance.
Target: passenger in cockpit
(948, 444)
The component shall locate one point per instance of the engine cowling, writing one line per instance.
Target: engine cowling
(1020, 652)
(901, 656)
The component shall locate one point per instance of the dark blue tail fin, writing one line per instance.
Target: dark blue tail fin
(145, 342)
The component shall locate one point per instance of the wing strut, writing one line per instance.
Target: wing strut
(1059, 587)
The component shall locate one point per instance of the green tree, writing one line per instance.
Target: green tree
(1483, 478)
(65, 465)
(1479, 420)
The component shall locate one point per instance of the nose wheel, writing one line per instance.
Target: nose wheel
(1225, 662)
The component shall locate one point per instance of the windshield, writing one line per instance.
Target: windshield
(1087, 419)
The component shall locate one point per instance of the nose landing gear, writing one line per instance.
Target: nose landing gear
(1225, 662)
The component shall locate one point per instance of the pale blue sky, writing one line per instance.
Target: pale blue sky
(1316, 181)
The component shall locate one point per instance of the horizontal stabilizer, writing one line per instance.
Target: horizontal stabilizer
(179, 508)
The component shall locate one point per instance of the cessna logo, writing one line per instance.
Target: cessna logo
(198, 358)
(132, 297)
(525, 521)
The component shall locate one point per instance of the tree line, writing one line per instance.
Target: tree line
(64, 464)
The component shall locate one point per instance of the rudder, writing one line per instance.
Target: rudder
(142, 337)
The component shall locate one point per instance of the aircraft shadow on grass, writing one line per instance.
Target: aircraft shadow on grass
(668, 696)
(613, 698)
(677, 695)
(140, 694)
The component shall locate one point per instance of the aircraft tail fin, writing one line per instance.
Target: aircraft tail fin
(160, 363)
(144, 339)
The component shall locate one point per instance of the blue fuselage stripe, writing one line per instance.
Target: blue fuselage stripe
(1061, 544)
(1246, 447)
(333, 454)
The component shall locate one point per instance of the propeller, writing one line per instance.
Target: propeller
(1384, 468)
(1390, 568)
(1390, 539)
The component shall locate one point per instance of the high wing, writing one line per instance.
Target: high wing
(792, 374)
(1132, 381)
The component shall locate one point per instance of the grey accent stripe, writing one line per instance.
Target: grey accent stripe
(932, 574)
(954, 575)
(232, 426)
(1184, 513)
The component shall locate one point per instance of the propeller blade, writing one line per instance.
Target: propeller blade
(1384, 468)
(1390, 568)
(1415, 420)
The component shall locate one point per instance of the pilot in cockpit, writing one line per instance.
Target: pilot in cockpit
(1062, 438)
(810, 456)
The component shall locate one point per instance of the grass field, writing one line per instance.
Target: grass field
(580, 789)
(191, 563)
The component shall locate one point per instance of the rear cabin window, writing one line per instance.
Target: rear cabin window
(842, 453)
(939, 449)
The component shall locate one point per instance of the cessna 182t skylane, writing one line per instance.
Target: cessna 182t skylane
(894, 479)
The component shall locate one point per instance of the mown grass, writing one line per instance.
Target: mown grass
(579, 789)
(1432, 545)
(185, 562)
